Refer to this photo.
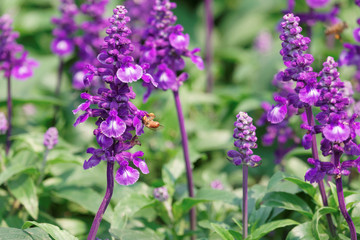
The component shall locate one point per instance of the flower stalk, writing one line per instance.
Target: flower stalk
(245, 201)
(185, 146)
(208, 47)
(340, 194)
(9, 107)
(315, 154)
(105, 202)
(58, 88)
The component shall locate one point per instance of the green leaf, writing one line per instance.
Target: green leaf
(43, 101)
(13, 170)
(24, 190)
(184, 205)
(128, 206)
(37, 233)
(224, 233)
(128, 234)
(217, 195)
(271, 226)
(20, 234)
(307, 187)
(52, 230)
(315, 221)
(333, 199)
(86, 198)
(287, 201)
(277, 183)
(301, 232)
(352, 199)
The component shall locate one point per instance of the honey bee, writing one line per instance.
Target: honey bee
(149, 122)
(336, 29)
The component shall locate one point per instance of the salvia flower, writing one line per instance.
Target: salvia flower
(164, 47)
(89, 42)
(14, 60)
(63, 43)
(161, 194)
(217, 184)
(118, 118)
(298, 69)
(245, 136)
(51, 138)
(3, 123)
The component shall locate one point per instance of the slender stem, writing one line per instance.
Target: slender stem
(57, 89)
(315, 154)
(340, 193)
(245, 201)
(208, 46)
(43, 164)
(184, 141)
(105, 202)
(9, 107)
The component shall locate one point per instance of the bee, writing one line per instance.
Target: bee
(336, 29)
(148, 121)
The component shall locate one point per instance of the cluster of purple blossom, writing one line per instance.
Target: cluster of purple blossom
(67, 37)
(117, 116)
(14, 61)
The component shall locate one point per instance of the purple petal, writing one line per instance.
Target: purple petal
(81, 119)
(309, 95)
(179, 40)
(277, 114)
(233, 154)
(130, 73)
(62, 47)
(127, 175)
(113, 127)
(82, 107)
(143, 167)
(336, 133)
(317, 3)
(103, 141)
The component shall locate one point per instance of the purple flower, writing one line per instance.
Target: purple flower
(89, 42)
(161, 194)
(3, 123)
(263, 42)
(317, 3)
(51, 138)
(63, 43)
(165, 46)
(13, 59)
(119, 121)
(245, 136)
(298, 69)
(217, 184)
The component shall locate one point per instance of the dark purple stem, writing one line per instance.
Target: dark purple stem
(9, 107)
(208, 46)
(245, 201)
(57, 89)
(105, 202)
(340, 193)
(315, 154)
(184, 141)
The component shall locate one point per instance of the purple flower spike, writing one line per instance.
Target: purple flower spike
(13, 59)
(51, 138)
(314, 174)
(244, 133)
(63, 44)
(119, 121)
(165, 46)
